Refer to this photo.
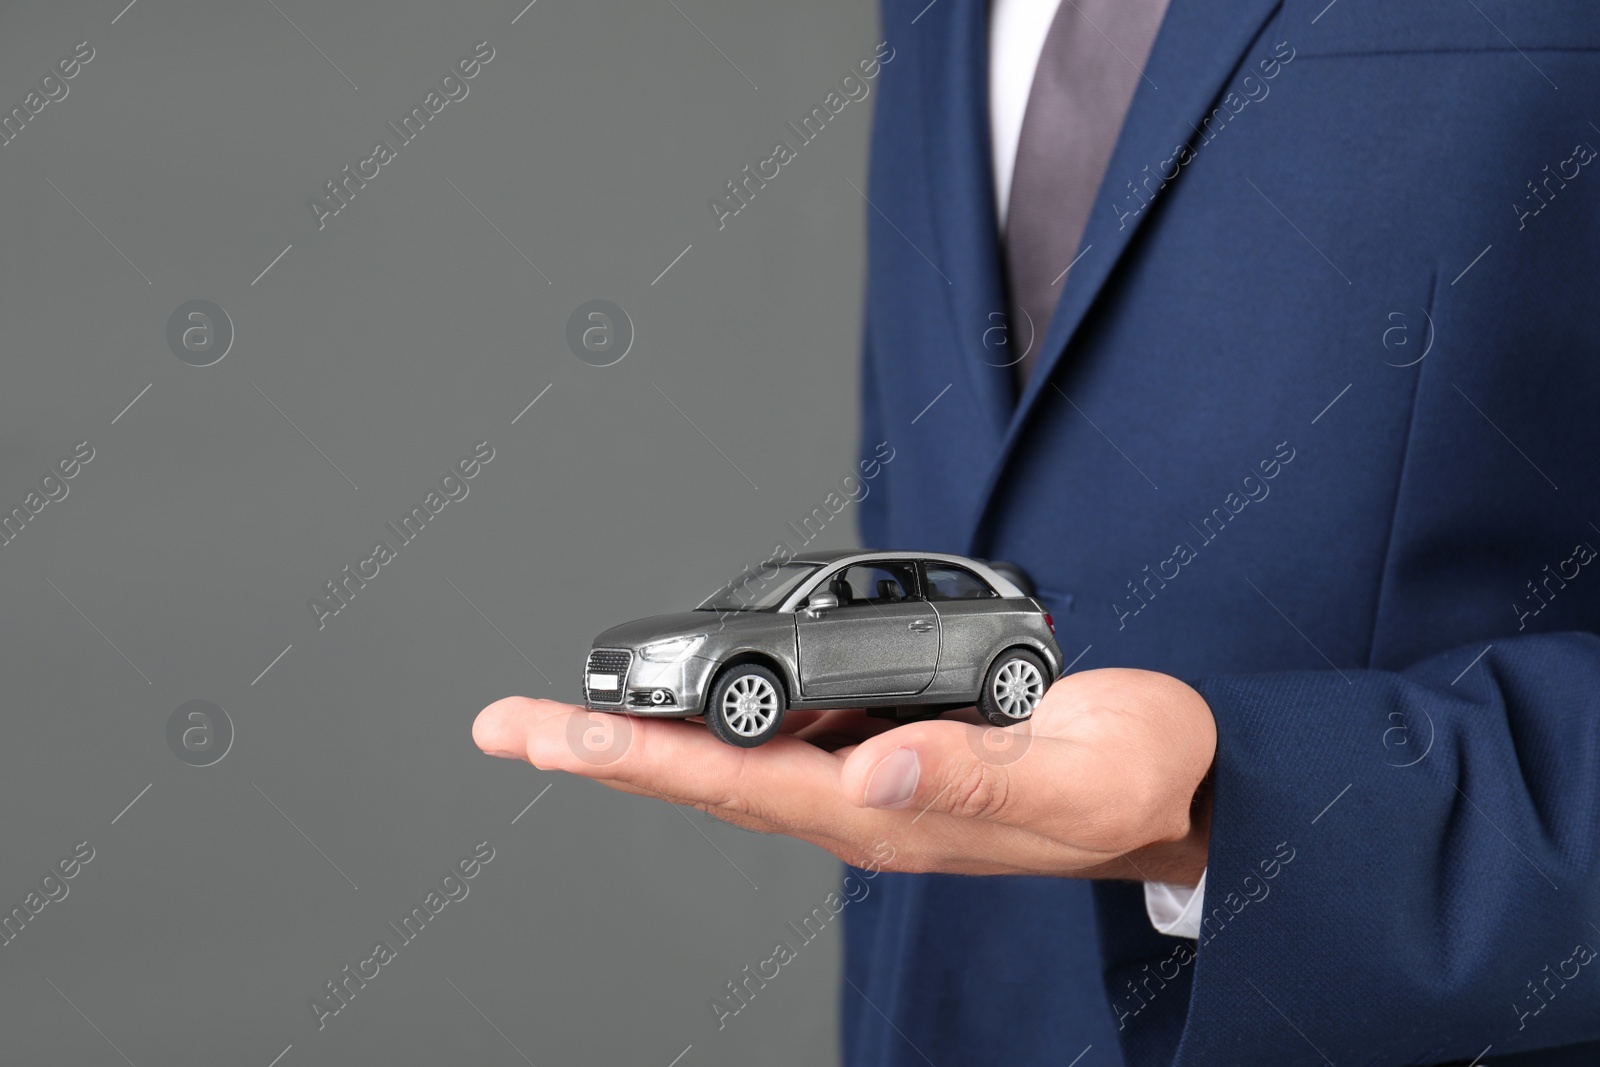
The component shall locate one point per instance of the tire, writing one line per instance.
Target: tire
(746, 705)
(1013, 687)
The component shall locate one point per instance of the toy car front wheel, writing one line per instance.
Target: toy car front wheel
(1013, 687)
(746, 705)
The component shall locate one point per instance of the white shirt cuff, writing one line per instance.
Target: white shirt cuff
(1175, 910)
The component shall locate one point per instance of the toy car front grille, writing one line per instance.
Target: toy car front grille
(615, 661)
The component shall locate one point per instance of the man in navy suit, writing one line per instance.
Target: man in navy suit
(1304, 466)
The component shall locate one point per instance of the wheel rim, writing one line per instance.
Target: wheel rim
(750, 705)
(1018, 686)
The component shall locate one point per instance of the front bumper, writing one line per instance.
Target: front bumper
(637, 683)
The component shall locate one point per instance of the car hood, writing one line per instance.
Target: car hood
(660, 627)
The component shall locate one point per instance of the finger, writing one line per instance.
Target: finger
(501, 729)
(966, 715)
(795, 721)
(784, 782)
(839, 727)
(786, 786)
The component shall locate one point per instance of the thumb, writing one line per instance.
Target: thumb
(953, 768)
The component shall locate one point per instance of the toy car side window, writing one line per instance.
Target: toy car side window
(945, 581)
(886, 582)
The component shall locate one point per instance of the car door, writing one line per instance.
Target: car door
(973, 619)
(882, 639)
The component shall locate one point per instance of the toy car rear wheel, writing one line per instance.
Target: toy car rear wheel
(746, 706)
(1013, 687)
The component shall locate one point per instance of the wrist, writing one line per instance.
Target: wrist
(1176, 855)
(1181, 859)
(1179, 855)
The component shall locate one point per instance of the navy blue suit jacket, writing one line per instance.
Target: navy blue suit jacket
(1316, 428)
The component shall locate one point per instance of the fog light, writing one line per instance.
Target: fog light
(660, 696)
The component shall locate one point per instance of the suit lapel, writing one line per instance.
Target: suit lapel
(1200, 44)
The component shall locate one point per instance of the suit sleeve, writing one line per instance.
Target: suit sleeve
(1402, 869)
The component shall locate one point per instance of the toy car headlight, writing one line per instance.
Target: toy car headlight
(672, 650)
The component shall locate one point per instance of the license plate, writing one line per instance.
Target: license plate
(604, 682)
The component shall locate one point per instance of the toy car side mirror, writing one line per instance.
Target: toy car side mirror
(820, 602)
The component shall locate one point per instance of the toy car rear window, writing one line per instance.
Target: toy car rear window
(944, 581)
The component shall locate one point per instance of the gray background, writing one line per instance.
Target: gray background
(395, 339)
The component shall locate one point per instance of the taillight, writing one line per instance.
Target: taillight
(1048, 621)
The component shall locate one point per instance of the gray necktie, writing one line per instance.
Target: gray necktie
(1091, 64)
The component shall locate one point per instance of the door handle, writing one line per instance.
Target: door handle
(920, 626)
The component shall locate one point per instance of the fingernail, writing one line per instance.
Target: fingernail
(502, 754)
(894, 780)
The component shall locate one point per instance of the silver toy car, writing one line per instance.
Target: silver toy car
(922, 631)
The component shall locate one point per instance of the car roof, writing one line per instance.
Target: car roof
(838, 554)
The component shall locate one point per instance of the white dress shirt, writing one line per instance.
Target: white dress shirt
(1017, 30)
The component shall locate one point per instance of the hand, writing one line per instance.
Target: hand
(1104, 781)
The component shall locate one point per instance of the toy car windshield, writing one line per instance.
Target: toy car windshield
(760, 588)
